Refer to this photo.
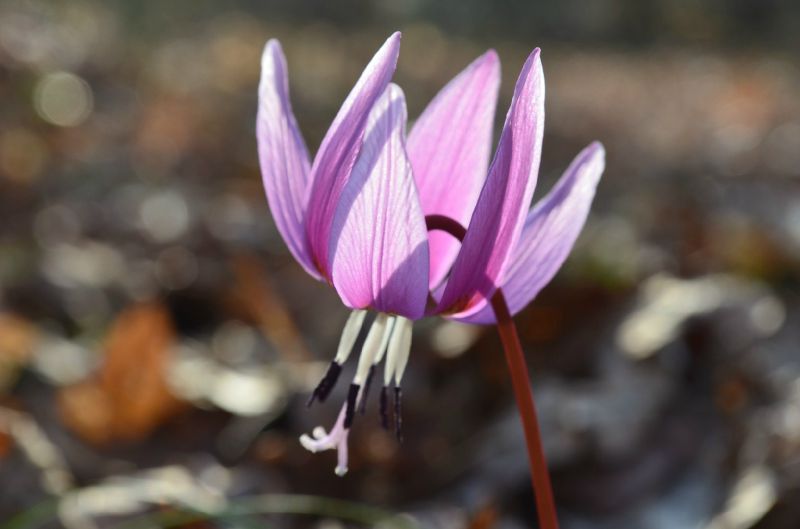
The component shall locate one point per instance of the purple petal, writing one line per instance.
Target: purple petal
(340, 147)
(549, 234)
(449, 151)
(283, 155)
(378, 246)
(504, 200)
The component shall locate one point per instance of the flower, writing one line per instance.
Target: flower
(356, 217)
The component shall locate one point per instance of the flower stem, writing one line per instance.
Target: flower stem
(520, 380)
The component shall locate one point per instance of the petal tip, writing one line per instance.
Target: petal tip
(532, 71)
(394, 39)
(596, 153)
(490, 57)
(272, 55)
(534, 61)
(272, 46)
(490, 63)
(394, 91)
(597, 148)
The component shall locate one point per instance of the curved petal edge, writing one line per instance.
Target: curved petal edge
(505, 198)
(282, 154)
(550, 232)
(449, 147)
(378, 246)
(340, 147)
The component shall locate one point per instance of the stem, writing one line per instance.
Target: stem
(520, 380)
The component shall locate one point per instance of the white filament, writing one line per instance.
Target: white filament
(398, 351)
(387, 333)
(403, 353)
(349, 335)
(371, 347)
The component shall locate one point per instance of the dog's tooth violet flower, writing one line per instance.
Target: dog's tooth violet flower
(385, 220)
(353, 219)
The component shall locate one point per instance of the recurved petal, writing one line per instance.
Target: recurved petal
(340, 147)
(504, 200)
(548, 236)
(449, 148)
(283, 155)
(378, 244)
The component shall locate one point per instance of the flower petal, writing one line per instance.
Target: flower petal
(283, 155)
(378, 246)
(549, 234)
(340, 147)
(504, 200)
(449, 148)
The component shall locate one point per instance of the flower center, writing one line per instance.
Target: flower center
(388, 340)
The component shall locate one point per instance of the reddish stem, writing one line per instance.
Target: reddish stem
(520, 380)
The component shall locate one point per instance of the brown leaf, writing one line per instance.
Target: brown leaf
(86, 409)
(130, 396)
(17, 340)
(484, 518)
(255, 299)
(5, 444)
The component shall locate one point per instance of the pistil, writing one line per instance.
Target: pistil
(389, 339)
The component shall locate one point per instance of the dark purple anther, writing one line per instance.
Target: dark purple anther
(326, 385)
(398, 420)
(367, 383)
(384, 408)
(350, 411)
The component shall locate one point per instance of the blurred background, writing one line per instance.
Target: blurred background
(158, 342)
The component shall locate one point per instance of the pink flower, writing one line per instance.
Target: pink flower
(356, 216)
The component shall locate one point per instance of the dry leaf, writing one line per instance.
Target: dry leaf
(485, 518)
(5, 444)
(88, 412)
(254, 297)
(130, 395)
(17, 340)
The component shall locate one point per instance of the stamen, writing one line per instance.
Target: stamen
(387, 333)
(325, 385)
(349, 335)
(403, 353)
(352, 398)
(371, 347)
(363, 405)
(346, 342)
(398, 419)
(399, 347)
(384, 408)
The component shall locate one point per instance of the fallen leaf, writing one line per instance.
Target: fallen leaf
(256, 300)
(130, 396)
(17, 339)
